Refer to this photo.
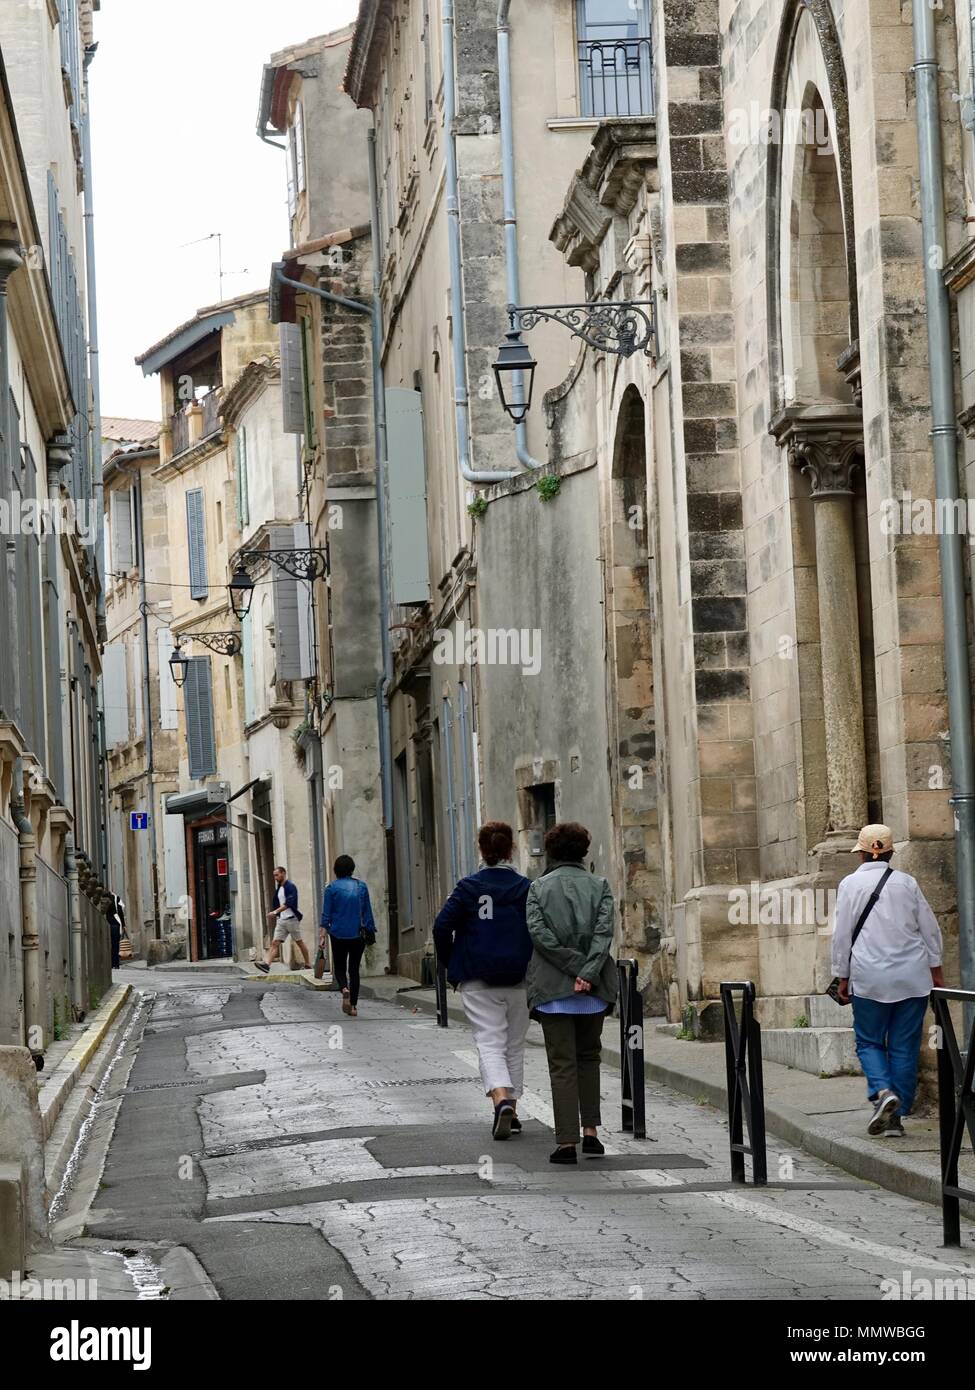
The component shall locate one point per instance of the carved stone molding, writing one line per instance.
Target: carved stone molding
(621, 164)
(825, 442)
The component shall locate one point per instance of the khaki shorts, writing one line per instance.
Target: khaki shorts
(287, 926)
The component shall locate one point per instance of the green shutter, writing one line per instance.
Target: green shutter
(196, 541)
(198, 704)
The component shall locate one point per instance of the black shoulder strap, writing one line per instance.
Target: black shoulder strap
(869, 906)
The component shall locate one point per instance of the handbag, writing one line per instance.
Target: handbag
(833, 988)
(320, 963)
(366, 934)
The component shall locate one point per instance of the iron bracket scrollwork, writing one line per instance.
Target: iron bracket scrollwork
(224, 643)
(620, 327)
(300, 564)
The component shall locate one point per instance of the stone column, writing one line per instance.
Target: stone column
(826, 444)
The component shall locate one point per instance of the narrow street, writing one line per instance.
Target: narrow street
(298, 1155)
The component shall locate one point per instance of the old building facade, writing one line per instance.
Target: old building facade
(54, 947)
(740, 660)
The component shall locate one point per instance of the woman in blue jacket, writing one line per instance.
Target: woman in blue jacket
(481, 936)
(348, 920)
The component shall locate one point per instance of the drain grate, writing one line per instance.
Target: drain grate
(416, 1081)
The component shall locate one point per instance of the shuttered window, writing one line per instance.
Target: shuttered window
(196, 543)
(299, 149)
(247, 654)
(138, 691)
(198, 704)
(292, 379)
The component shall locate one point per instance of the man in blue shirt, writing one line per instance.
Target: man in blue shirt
(348, 920)
(286, 919)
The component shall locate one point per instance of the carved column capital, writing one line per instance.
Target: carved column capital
(10, 260)
(825, 442)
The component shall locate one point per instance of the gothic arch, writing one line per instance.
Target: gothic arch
(836, 103)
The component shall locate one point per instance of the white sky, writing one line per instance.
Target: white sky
(174, 92)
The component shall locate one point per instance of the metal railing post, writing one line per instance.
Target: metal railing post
(746, 1085)
(632, 1077)
(956, 1105)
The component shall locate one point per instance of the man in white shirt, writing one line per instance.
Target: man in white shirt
(887, 973)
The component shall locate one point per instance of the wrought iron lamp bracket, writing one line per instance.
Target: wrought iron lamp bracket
(620, 327)
(300, 564)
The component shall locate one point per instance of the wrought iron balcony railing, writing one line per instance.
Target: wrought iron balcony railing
(616, 77)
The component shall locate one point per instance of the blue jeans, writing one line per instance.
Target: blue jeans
(888, 1040)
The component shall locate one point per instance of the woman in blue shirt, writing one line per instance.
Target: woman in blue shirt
(348, 920)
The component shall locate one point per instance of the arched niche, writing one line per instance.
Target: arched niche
(809, 122)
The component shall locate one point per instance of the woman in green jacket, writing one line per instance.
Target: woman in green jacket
(571, 983)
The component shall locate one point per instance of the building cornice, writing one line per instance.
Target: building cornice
(959, 271)
(621, 159)
(368, 39)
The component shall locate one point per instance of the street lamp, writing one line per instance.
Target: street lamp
(514, 362)
(241, 589)
(620, 327)
(179, 665)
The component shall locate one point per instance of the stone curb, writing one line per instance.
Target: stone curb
(288, 978)
(863, 1158)
(65, 1075)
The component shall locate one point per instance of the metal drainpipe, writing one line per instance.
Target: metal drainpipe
(79, 993)
(457, 310)
(510, 210)
(96, 430)
(944, 445)
(382, 464)
(35, 1031)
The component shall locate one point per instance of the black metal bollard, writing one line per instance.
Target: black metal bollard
(956, 1106)
(443, 1020)
(746, 1087)
(631, 1050)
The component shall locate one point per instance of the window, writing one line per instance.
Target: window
(539, 812)
(196, 543)
(615, 57)
(124, 515)
(198, 704)
(299, 146)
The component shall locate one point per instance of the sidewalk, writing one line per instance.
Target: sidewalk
(824, 1116)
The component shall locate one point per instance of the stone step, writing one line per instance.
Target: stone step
(818, 1010)
(819, 1051)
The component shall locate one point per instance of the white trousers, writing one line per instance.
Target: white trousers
(498, 1015)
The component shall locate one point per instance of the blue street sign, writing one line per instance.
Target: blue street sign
(138, 820)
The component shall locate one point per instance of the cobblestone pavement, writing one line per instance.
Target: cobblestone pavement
(300, 1154)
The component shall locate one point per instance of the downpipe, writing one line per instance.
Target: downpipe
(511, 211)
(944, 442)
(79, 992)
(35, 1032)
(457, 311)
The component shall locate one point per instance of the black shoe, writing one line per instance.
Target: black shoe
(564, 1155)
(259, 964)
(592, 1146)
(515, 1125)
(504, 1113)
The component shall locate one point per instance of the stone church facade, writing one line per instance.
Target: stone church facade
(785, 637)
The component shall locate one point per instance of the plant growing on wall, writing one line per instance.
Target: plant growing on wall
(548, 487)
(477, 508)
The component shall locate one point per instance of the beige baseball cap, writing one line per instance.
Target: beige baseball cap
(875, 840)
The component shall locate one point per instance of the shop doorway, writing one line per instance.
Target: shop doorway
(213, 928)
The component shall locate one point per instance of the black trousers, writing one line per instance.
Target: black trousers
(346, 958)
(116, 931)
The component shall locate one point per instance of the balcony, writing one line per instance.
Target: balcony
(616, 77)
(195, 422)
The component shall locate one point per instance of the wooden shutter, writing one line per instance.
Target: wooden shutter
(168, 713)
(247, 656)
(409, 556)
(292, 379)
(138, 694)
(115, 694)
(198, 704)
(196, 542)
(294, 656)
(120, 511)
